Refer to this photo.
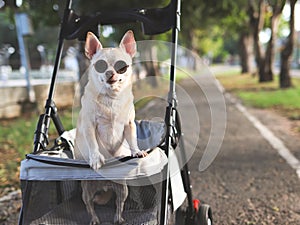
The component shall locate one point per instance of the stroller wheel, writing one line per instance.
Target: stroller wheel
(180, 217)
(204, 215)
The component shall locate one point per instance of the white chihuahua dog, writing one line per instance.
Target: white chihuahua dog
(105, 126)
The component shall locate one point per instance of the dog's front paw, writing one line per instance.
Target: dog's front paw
(140, 154)
(95, 221)
(96, 160)
(118, 220)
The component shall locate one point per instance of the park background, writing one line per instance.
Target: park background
(253, 45)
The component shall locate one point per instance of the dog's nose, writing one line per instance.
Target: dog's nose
(111, 77)
(109, 74)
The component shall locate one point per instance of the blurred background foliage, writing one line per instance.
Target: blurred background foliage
(202, 24)
(218, 30)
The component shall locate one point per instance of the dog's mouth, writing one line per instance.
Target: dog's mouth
(112, 80)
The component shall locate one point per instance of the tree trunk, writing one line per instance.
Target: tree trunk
(268, 70)
(284, 76)
(246, 52)
(270, 52)
(152, 72)
(257, 18)
(150, 61)
(192, 46)
(286, 53)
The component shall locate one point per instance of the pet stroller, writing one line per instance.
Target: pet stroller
(50, 177)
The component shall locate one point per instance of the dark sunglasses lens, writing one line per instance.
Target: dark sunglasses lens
(120, 67)
(100, 66)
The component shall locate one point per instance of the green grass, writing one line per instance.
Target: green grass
(16, 134)
(19, 133)
(227, 72)
(287, 99)
(265, 95)
(245, 82)
(16, 140)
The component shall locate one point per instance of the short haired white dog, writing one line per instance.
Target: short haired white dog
(105, 126)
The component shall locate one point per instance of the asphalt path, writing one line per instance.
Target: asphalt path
(248, 182)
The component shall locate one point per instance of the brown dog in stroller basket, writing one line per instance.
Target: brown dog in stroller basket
(53, 180)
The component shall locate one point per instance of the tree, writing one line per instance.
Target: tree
(203, 23)
(237, 24)
(286, 53)
(276, 7)
(258, 13)
(246, 51)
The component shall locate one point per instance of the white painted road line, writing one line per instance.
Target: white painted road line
(274, 141)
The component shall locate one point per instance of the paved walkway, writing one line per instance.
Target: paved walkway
(248, 182)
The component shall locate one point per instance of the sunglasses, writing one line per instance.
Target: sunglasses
(120, 66)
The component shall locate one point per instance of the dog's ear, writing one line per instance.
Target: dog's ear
(92, 45)
(128, 43)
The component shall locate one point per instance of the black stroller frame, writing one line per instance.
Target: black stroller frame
(154, 21)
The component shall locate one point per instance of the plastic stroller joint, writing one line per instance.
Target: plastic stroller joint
(54, 116)
(42, 128)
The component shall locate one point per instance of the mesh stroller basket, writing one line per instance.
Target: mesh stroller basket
(51, 188)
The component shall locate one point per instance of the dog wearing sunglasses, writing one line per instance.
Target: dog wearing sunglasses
(105, 126)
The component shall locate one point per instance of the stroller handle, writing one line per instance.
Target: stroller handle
(154, 20)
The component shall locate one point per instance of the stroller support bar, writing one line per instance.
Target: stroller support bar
(54, 116)
(41, 132)
(171, 115)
